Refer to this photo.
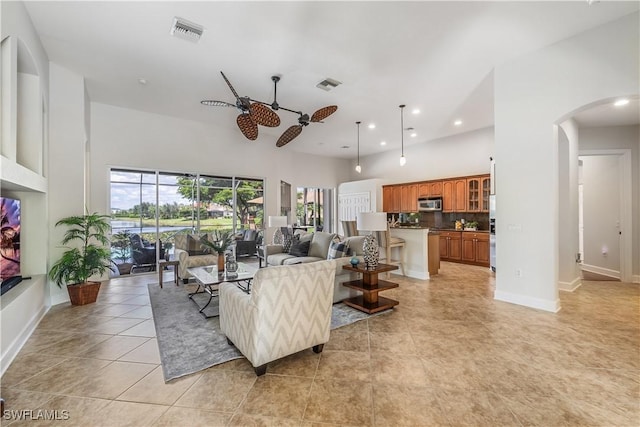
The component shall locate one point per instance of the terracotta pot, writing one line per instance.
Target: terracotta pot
(84, 293)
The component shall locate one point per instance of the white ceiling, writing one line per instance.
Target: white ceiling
(435, 56)
(608, 114)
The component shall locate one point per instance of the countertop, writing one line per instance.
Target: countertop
(434, 229)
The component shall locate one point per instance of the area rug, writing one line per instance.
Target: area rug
(189, 343)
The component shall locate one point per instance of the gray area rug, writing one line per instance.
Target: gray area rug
(189, 343)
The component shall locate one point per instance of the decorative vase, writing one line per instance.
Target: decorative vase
(354, 261)
(231, 266)
(278, 237)
(371, 252)
(220, 262)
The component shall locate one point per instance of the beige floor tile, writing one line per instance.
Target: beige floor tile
(144, 329)
(345, 365)
(143, 312)
(395, 405)
(116, 325)
(17, 400)
(68, 411)
(64, 375)
(247, 420)
(277, 396)
(114, 347)
(153, 389)
(392, 342)
(110, 381)
(468, 407)
(349, 338)
(146, 353)
(116, 309)
(241, 364)
(398, 369)
(27, 365)
(340, 401)
(139, 300)
(218, 390)
(193, 418)
(74, 344)
(129, 414)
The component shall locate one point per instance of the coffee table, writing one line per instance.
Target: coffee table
(208, 280)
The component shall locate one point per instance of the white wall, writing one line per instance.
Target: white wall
(532, 93)
(568, 269)
(625, 138)
(123, 137)
(459, 155)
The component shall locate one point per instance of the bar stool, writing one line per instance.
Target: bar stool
(386, 241)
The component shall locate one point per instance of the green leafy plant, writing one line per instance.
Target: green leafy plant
(471, 224)
(219, 243)
(121, 241)
(92, 257)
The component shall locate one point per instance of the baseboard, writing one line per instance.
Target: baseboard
(527, 301)
(17, 344)
(570, 286)
(601, 270)
(635, 278)
(414, 274)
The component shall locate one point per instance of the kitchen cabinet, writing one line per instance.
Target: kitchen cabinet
(475, 247)
(451, 245)
(409, 198)
(435, 189)
(454, 195)
(391, 198)
(473, 195)
(423, 189)
(485, 186)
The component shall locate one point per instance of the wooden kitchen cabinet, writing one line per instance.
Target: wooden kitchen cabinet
(454, 195)
(409, 198)
(451, 245)
(473, 194)
(435, 188)
(423, 189)
(391, 198)
(485, 188)
(475, 247)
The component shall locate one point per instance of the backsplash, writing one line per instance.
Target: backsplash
(442, 220)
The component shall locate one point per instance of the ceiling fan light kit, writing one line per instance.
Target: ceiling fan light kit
(403, 159)
(358, 167)
(254, 113)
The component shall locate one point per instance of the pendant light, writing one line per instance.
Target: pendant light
(358, 167)
(403, 159)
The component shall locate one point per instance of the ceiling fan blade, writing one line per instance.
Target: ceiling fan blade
(247, 126)
(323, 113)
(264, 116)
(230, 86)
(214, 103)
(289, 135)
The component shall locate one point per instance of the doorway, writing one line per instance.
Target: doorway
(604, 229)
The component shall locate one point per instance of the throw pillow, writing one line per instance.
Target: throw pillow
(286, 243)
(194, 247)
(338, 250)
(299, 249)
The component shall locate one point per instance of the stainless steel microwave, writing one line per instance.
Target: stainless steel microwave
(429, 204)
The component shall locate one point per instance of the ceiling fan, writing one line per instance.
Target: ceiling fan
(254, 113)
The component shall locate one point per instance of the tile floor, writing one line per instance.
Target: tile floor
(447, 355)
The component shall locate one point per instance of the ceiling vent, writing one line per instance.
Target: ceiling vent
(186, 30)
(328, 84)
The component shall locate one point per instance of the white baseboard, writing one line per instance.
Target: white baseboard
(635, 278)
(17, 344)
(414, 274)
(527, 301)
(601, 270)
(570, 286)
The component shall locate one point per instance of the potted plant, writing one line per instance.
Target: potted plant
(78, 264)
(471, 226)
(218, 243)
(121, 242)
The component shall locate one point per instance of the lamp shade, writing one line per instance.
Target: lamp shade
(371, 221)
(277, 221)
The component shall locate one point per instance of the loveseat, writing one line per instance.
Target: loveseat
(320, 243)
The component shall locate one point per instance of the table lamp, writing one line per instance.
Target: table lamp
(371, 221)
(278, 221)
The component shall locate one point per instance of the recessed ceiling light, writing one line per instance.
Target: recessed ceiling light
(372, 126)
(621, 102)
(142, 81)
(413, 135)
(383, 143)
(457, 123)
(416, 111)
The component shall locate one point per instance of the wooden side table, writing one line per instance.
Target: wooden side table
(370, 302)
(165, 263)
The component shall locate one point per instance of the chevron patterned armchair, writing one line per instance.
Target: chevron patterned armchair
(288, 310)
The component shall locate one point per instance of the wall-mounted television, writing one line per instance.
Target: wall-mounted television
(9, 238)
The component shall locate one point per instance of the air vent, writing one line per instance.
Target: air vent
(328, 84)
(186, 30)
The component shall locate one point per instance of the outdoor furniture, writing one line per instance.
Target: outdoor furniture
(246, 242)
(144, 253)
(287, 310)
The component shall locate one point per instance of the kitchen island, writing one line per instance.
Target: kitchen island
(421, 251)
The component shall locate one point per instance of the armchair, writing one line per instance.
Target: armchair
(247, 242)
(288, 310)
(143, 252)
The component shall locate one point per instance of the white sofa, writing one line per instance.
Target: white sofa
(288, 310)
(318, 251)
(188, 251)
